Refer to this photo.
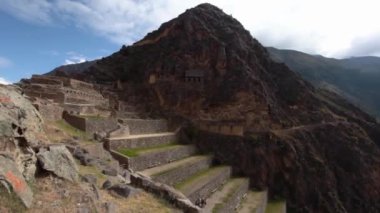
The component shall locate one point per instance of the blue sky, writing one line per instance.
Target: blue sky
(39, 35)
(35, 49)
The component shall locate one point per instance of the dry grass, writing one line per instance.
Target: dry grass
(140, 203)
(83, 170)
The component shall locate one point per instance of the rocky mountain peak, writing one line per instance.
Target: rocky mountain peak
(203, 66)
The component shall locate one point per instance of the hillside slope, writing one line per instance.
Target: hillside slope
(307, 145)
(355, 78)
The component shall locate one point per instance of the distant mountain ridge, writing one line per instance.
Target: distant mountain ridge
(72, 68)
(357, 78)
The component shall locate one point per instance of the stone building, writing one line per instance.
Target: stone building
(194, 76)
(73, 95)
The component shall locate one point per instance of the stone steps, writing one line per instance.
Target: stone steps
(145, 126)
(147, 158)
(204, 183)
(228, 198)
(142, 141)
(255, 202)
(178, 171)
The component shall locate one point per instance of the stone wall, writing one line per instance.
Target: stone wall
(91, 125)
(166, 192)
(153, 159)
(209, 188)
(122, 159)
(74, 91)
(75, 121)
(131, 143)
(237, 151)
(50, 111)
(80, 84)
(178, 175)
(75, 96)
(97, 125)
(139, 126)
(57, 97)
(87, 110)
(233, 200)
(81, 109)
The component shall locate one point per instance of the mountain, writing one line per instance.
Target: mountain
(306, 145)
(71, 69)
(355, 78)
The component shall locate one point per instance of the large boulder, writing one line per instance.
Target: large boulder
(11, 176)
(58, 160)
(21, 129)
(19, 118)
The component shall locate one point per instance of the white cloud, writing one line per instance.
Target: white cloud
(3, 81)
(328, 27)
(75, 58)
(36, 11)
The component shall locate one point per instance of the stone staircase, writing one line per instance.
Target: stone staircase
(152, 151)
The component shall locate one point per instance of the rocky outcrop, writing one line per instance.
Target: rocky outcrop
(20, 131)
(13, 180)
(19, 118)
(58, 160)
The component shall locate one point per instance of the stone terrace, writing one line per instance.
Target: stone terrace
(155, 153)
(63, 90)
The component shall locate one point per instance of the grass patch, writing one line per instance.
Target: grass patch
(10, 201)
(142, 202)
(136, 152)
(217, 207)
(129, 152)
(72, 131)
(275, 206)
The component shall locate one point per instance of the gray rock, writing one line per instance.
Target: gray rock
(96, 191)
(18, 117)
(123, 190)
(110, 171)
(84, 158)
(13, 177)
(100, 136)
(107, 184)
(109, 207)
(58, 160)
(78, 153)
(89, 178)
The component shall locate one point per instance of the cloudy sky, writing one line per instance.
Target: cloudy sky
(38, 35)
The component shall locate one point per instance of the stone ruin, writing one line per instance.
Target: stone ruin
(57, 94)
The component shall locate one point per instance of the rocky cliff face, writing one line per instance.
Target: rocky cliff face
(319, 151)
(20, 129)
